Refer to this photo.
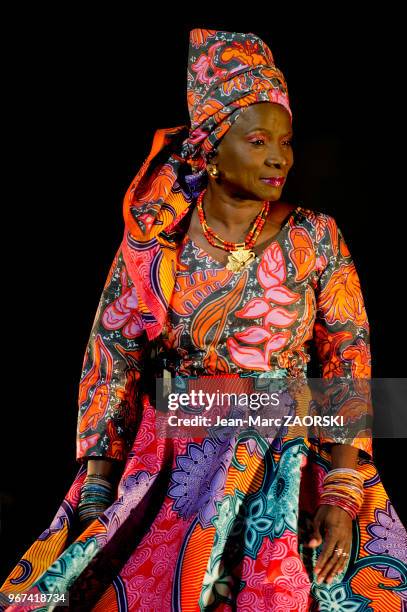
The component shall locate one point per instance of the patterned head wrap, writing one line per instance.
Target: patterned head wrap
(227, 72)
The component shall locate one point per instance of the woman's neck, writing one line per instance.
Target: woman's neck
(231, 216)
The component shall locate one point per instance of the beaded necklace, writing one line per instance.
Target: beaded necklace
(241, 253)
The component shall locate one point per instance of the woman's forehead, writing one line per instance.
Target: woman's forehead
(264, 115)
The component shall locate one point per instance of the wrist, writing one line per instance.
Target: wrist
(344, 456)
(96, 495)
(343, 488)
(101, 467)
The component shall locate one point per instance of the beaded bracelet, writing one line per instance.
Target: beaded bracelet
(344, 474)
(102, 476)
(103, 487)
(93, 494)
(350, 506)
(91, 511)
(344, 477)
(351, 510)
(344, 471)
(343, 487)
(96, 480)
(96, 495)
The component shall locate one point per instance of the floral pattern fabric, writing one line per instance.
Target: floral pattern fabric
(219, 523)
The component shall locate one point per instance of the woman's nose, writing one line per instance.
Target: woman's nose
(276, 160)
(276, 157)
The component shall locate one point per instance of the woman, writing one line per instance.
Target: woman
(216, 275)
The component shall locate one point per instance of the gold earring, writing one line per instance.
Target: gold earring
(212, 170)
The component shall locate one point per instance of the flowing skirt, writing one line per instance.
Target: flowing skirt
(213, 523)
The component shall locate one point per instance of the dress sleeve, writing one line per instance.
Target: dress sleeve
(113, 362)
(342, 340)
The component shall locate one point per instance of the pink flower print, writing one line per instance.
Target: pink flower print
(280, 317)
(255, 308)
(205, 63)
(253, 358)
(253, 335)
(271, 271)
(122, 314)
(281, 295)
(271, 275)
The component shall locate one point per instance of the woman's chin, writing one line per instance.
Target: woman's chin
(271, 194)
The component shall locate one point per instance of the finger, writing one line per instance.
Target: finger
(340, 564)
(315, 541)
(331, 562)
(336, 569)
(331, 540)
(315, 537)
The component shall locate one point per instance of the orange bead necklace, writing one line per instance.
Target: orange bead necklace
(240, 252)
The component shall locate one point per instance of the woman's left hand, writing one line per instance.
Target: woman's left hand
(336, 526)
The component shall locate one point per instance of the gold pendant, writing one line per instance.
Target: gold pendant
(240, 258)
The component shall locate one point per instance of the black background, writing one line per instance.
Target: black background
(84, 94)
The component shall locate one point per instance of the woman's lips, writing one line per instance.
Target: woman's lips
(275, 182)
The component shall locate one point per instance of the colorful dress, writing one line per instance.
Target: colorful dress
(216, 523)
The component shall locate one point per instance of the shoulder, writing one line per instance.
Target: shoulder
(321, 226)
(310, 213)
(328, 240)
(316, 217)
(319, 231)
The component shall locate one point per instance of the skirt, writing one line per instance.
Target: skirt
(212, 523)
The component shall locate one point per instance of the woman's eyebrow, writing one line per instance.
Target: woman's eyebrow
(262, 129)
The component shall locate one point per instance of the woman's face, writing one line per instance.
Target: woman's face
(258, 145)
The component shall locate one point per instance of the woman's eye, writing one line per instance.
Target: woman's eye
(289, 142)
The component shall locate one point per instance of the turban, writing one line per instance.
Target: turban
(227, 72)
